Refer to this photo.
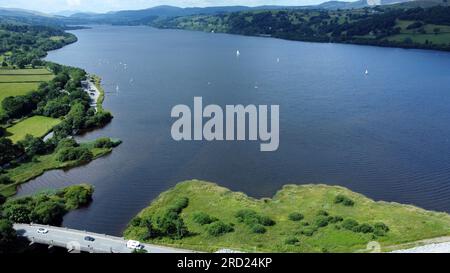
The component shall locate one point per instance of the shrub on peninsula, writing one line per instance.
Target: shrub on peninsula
(295, 216)
(219, 228)
(202, 218)
(344, 200)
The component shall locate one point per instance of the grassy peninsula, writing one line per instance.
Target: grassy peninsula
(299, 218)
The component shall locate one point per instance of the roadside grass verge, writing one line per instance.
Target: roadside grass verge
(405, 223)
(37, 126)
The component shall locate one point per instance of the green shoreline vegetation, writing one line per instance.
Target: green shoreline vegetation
(299, 218)
(56, 102)
(47, 208)
(392, 25)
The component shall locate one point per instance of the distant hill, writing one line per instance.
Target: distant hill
(22, 16)
(147, 16)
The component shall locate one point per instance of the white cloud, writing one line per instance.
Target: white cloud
(73, 3)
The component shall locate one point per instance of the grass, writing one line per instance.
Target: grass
(442, 37)
(406, 223)
(17, 82)
(29, 170)
(16, 89)
(57, 38)
(37, 126)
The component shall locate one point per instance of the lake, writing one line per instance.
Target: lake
(385, 135)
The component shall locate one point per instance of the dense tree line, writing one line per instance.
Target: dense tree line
(362, 26)
(28, 43)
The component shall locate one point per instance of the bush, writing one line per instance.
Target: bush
(66, 143)
(336, 219)
(381, 226)
(258, 228)
(364, 228)
(322, 213)
(295, 216)
(5, 180)
(266, 221)
(308, 231)
(291, 241)
(104, 142)
(136, 221)
(81, 154)
(322, 221)
(344, 200)
(251, 217)
(349, 224)
(380, 229)
(179, 204)
(203, 218)
(219, 228)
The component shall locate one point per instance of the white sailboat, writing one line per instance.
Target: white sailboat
(278, 60)
(238, 53)
(367, 72)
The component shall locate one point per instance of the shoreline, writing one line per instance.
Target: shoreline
(9, 190)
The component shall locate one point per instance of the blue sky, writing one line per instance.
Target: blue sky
(109, 5)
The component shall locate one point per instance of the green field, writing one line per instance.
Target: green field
(37, 126)
(17, 82)
(421, 35)
(16, 89)
(26, 171)
(406, 223)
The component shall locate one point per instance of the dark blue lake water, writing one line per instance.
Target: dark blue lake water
(385, 134)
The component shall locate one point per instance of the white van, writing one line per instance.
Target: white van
(134, 245)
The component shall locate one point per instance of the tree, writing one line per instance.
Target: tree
(77, 196)
(170, 224)
(2, 199)
(48, 213)
(5, 180)
(17, 213)
(8, 151)
(7, 234)
(152, 232)
(33, 146)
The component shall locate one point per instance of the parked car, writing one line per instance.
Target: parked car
(89, 238)
(42, 230)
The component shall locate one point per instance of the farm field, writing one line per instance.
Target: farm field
(37, 126)
(18, 82)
